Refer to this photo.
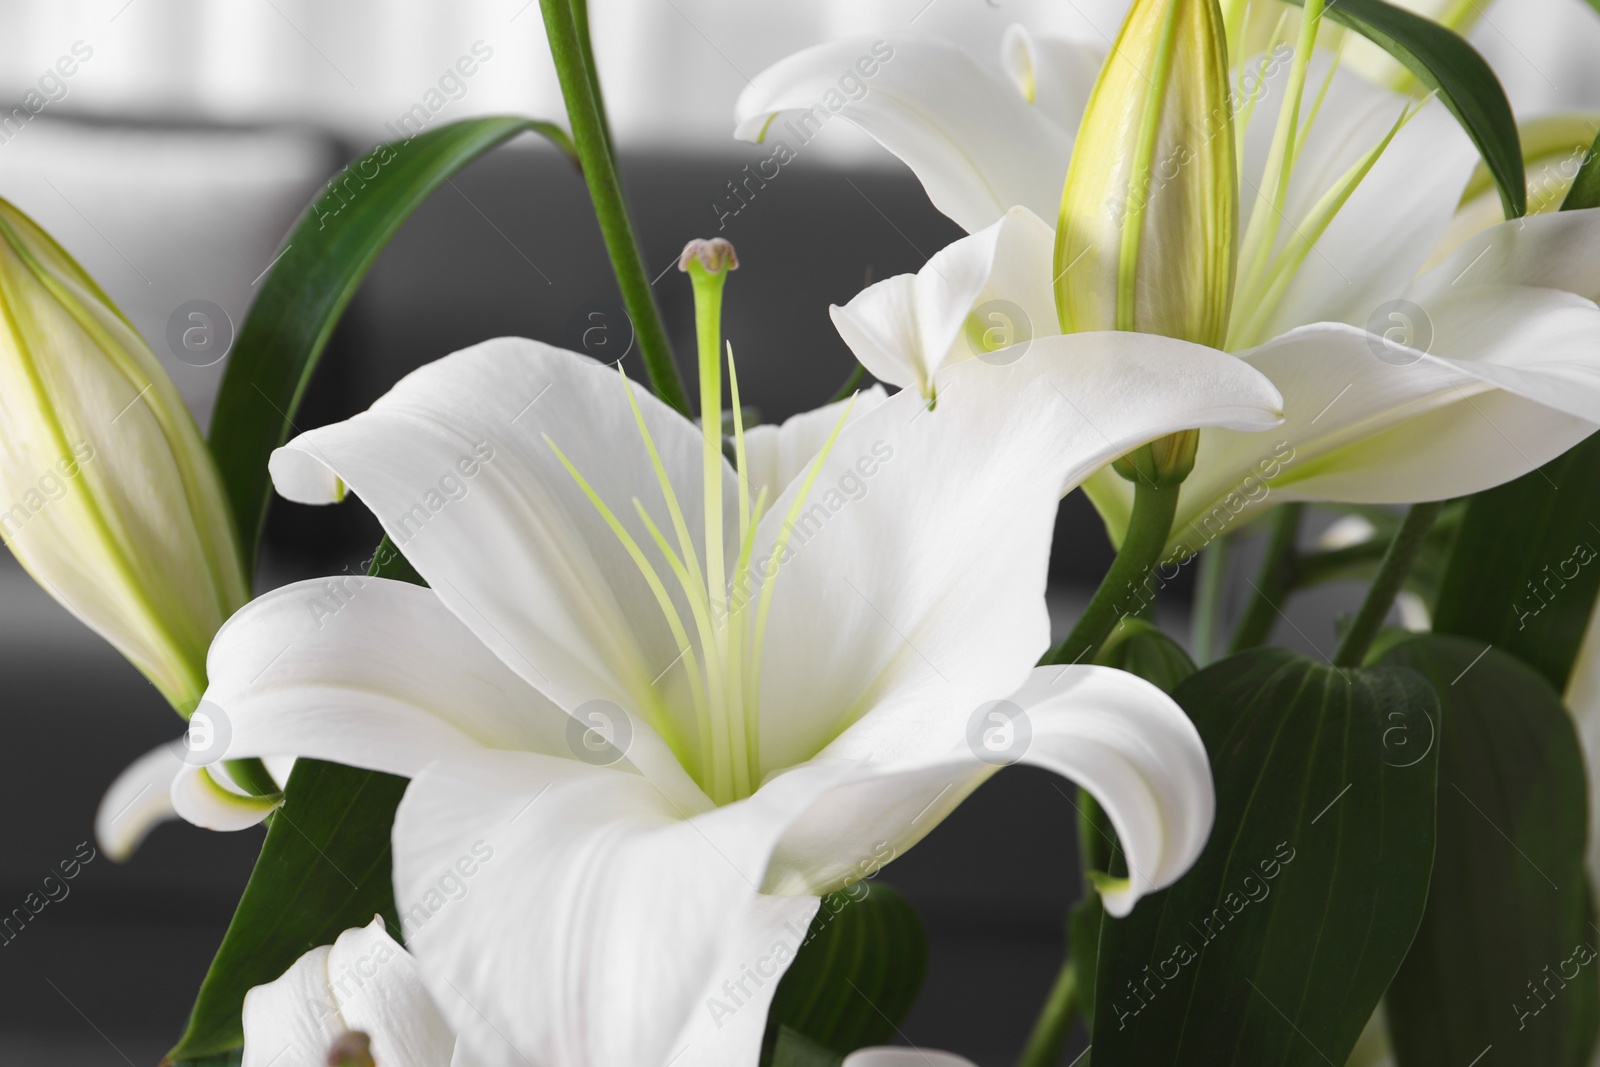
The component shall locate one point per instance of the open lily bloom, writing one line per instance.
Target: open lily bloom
(673, 742)
(363, 993)
(1407, 375)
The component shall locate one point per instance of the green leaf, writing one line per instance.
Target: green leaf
(1442, 60)
(1139, 648)
(1585, 190)
(791, 1048)
(1083, 935)
(1523, 574)
(324, 867)
(1509, 903)
(1278, 944)
(856, 974)
(326, 256)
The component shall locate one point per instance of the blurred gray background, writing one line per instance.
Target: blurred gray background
(171, 163)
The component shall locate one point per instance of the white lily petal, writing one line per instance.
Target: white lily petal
(138, 801)
(379, 674)
(1384, 232)
(379, 990)
(293, 1019)
(776, 455)
(616, 921)
(199, 797)
(916, 567)
(1118, 736)
(895, 1056)
(364, 981)
(906, 329)
(1512, 382)
(1560, 250)
(976, 143)
(372, 673)
(1064, 73)
(457, 463)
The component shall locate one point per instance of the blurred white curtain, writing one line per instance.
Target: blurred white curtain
(672, 68)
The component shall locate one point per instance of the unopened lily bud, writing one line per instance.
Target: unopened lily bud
(1148, 229)
(108, 496)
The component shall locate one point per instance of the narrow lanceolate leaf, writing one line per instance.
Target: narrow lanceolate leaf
(853, 979)
(324, 868)
(1277, 945)
(1525, 568)
(1505, 958)
(1442, 60)
(1585, 190)
(323, 262)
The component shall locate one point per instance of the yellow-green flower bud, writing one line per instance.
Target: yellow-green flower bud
(1148, 231)
(108, 496)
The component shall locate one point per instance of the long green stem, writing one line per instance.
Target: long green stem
(1126, 585)
(1055, 1019)
(605, 189)
(1210, 583)
(580, 22)
(1271, 586)
(1392, 572)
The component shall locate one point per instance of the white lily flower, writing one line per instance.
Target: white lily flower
(358, 1002)
(1400, 383)
(672, 740)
